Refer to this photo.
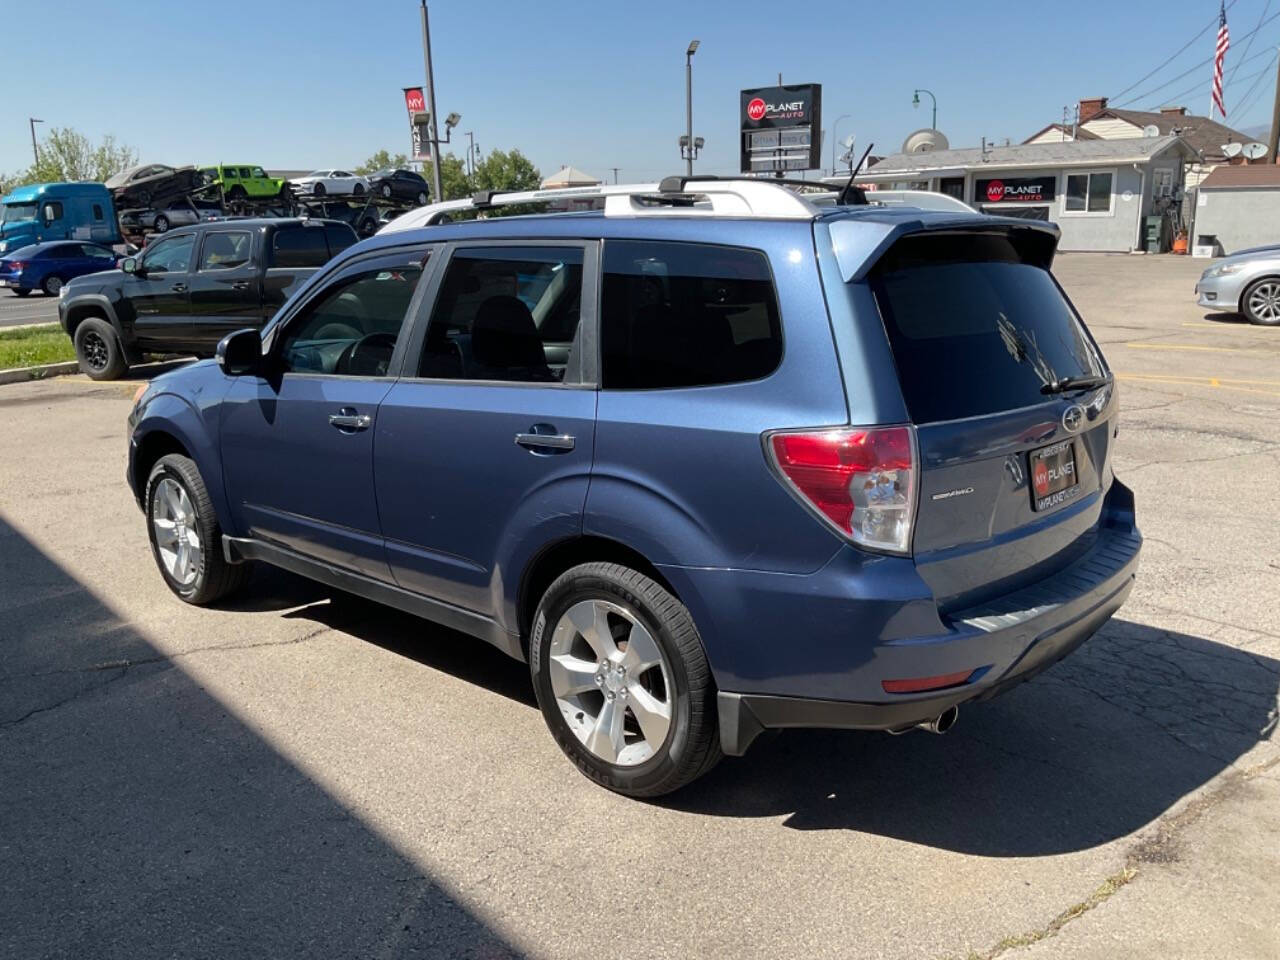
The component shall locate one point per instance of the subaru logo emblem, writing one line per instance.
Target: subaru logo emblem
(1073, 418)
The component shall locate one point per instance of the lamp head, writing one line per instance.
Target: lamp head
(693, 48)
(915, 99)
(452, 120)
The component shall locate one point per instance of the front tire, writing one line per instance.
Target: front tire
(422, 198)
(186, 540)
(161, 223)
(98, 350)
(386, 191)
(622, 680)
(319, 189)
(358, 190)
(1261, 302)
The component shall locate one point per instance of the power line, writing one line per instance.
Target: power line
(1202, 64)
(1245, 51)
(1244, 107)
(1209, 26)
(1155, 104)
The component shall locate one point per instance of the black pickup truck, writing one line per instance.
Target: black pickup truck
(190, 288)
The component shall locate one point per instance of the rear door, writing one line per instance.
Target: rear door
(1014, 461)
(226, 286)
(484, 446)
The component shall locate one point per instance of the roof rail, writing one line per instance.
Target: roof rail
(697, 196)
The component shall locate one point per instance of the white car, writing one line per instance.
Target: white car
(337, 182)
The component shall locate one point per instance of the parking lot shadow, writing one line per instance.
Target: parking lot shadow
(141, 818)
(1095, 748)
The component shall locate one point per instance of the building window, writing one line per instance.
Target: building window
(1089, 192)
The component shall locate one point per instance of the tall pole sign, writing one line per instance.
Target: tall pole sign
(419, 133)
(781, 128)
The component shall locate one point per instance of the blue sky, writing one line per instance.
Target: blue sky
(597, 85)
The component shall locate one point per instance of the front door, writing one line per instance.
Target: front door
(483, 448)
(158, 292)
(297, 445)
(226, 292)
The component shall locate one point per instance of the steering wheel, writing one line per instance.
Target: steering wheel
(338, 331)
(367, 357)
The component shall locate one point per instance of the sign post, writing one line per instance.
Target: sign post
(781, 128)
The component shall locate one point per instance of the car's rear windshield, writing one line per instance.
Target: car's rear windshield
(974, 329)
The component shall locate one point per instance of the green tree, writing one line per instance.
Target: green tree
(382, 160)
(454, 182)
(510, 170)
(67, 154)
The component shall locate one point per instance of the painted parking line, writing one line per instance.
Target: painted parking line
(1217, 383)
(1187, 346)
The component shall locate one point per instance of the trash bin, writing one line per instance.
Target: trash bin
(1206, 245)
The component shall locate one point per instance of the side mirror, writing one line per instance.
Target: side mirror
(240, 353)
(130, 265)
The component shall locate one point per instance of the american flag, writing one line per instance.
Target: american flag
(1220, 51)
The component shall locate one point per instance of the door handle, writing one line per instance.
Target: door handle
(240, 285)
(348, 421)
(179, 288)
(545, 441)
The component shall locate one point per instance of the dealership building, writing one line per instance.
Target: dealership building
(1101, 193)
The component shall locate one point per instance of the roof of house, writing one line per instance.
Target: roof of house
(1204, 134)
(1069, 153)
(1243, 175)
(1080, 134)
(569, 177)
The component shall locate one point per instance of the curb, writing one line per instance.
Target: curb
(23, 374)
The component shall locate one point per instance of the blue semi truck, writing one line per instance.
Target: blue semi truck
(57, 211)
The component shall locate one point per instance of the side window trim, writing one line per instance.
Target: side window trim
(586, 375)
(345, 271)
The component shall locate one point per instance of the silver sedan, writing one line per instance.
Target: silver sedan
(1247, 282)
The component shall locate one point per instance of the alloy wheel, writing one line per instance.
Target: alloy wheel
(53, 286)
(1264, 302)
(611, 682)
(177, 531)
(96, 352)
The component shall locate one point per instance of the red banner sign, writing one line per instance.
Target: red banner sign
(414, 101)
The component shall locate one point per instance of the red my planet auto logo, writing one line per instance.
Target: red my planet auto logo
(995, 191)
(1041, 478)
(755, 109)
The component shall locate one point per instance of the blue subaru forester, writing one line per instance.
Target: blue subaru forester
(716, 459)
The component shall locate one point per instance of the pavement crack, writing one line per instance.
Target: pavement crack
(123, 668)
(1160, 846)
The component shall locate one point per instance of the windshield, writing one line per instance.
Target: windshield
(318, 173)
(975, 331)
(19, 211)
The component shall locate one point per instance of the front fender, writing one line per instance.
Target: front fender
(173, 416)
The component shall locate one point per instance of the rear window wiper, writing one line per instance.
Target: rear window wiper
(1074, 383)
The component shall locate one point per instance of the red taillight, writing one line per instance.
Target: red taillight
(16, 266)
(862, 481)
(917, 684)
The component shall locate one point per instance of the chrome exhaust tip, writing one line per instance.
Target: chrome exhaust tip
(942, 722)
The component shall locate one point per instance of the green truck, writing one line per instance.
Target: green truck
(241, 181)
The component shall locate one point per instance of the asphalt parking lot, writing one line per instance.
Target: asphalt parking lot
(305, 774)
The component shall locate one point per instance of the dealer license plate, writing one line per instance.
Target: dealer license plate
(1053, 475)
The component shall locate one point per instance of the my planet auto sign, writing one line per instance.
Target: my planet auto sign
(1016, 190)
(789, 106)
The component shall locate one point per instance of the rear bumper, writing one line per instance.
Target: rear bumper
(815, 651)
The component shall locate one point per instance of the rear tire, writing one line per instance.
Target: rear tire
(21, 293)
(52, 285)
(237, 194)
(611, 644)
(161, 223)
(386, 191)
(186, 540)
(98, 350)
(358, 190)
(1261, 302)
(422, 198)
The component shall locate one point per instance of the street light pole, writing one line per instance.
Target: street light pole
(431, 105)
(471, 149)
(688, 103)
(834, 128)
(35, 151)
(915, 102)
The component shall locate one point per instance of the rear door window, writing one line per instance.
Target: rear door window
(686, 315)
(299, 247)
(974, 330)
(339, 236)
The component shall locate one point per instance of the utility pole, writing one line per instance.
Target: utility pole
(35, 151)
(688, 103)
(471, 149)
(1274, 141)
(615, 174)
(438, 192)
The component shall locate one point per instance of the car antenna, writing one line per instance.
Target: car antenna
(850, 193)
